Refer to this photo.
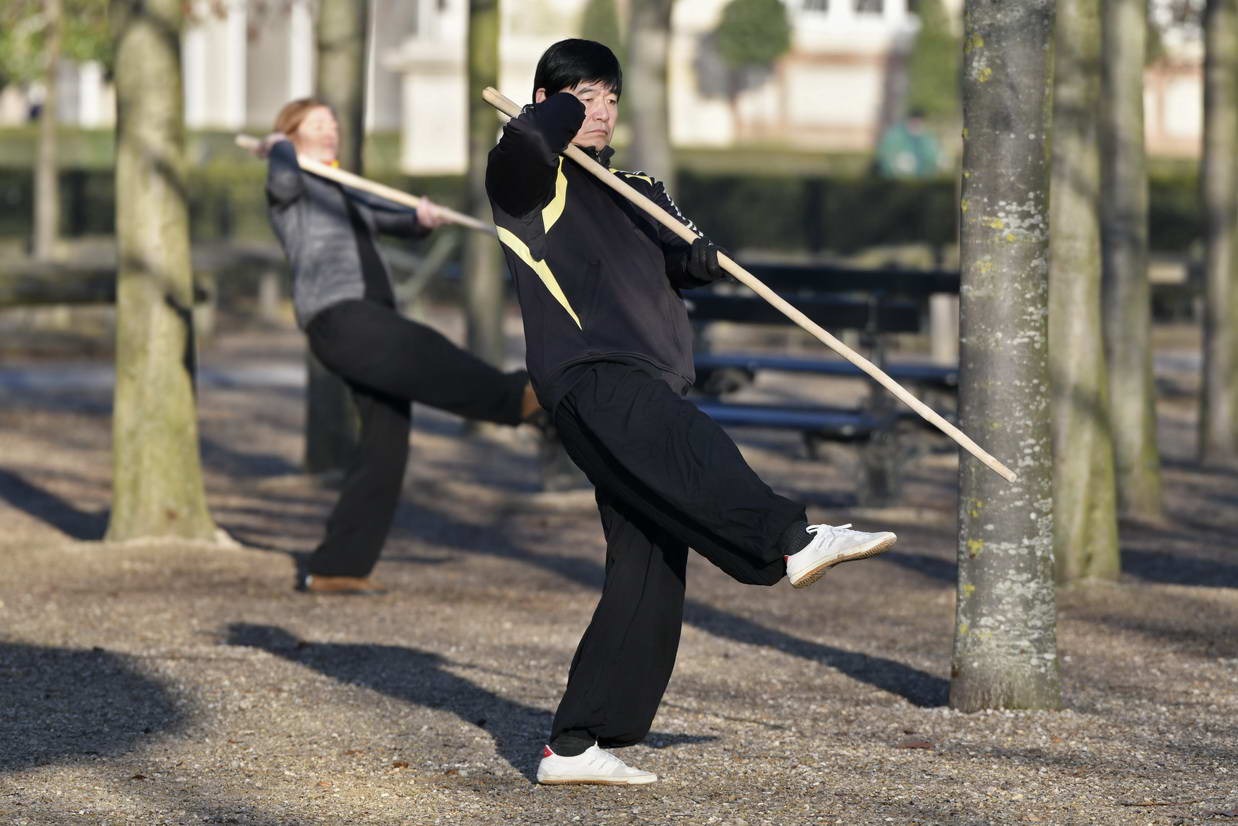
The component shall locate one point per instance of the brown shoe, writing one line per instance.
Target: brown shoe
(356, 585)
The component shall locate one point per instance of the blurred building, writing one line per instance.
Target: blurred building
(834, 91)
(839, 86)
(86, 98)
(1173, 83)
(243, 60)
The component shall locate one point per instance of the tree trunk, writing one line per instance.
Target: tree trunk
(1127, 298)
(1085, 527)
(46, 170)
(330, 415)
(484, 291)
(157, 485)
(1005, 648)
(646, 87)
(1218, 420)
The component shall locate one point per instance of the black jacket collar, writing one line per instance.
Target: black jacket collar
(602, 156)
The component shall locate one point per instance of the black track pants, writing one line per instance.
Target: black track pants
(668, 478)
(388, 362)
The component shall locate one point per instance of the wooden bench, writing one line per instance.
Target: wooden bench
(874, 303)
(714, 368)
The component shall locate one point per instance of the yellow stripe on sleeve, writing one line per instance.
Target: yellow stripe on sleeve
(555, 208)
(540, 267)
(640, 175)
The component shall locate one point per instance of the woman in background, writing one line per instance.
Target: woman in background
(344, 302)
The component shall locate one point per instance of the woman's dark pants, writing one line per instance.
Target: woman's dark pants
(389, 361)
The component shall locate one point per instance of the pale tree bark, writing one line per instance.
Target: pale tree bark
(331, 424)
(46, 169)
(484, 291)
(157, 485)
(1218, 419)
(1085, 524)
(1005, 641)
(1127, 302)
(645, 89)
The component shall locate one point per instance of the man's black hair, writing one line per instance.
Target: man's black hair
(574, 61)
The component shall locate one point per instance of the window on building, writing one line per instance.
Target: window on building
(869, 6)
(819, 6)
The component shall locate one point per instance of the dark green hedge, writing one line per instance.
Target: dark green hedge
(226, 200)
(838, 214)
(1174, 219)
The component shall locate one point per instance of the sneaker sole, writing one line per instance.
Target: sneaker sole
(549, 782)
(813, 574)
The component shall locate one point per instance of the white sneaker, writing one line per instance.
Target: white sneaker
(594, 765)
(830, 546)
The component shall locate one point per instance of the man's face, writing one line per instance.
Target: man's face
(601, 113)
(318, 136)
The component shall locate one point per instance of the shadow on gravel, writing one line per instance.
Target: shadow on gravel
(154, 803)
(1179, 569)
(918, 687)
(249, 465)
(933, 567)
(420, 678)
(66, 704)
(50, 508)
(1193, 466)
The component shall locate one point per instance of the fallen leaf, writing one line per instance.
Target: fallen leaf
(354, 752)
(452, 771)
(326, 784)
(138, 777)
(399, 764)
(916, 744)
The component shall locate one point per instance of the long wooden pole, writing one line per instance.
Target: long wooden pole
(509, 108)
(250, 143)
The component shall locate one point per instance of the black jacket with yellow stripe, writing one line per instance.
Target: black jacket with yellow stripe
(597, 279)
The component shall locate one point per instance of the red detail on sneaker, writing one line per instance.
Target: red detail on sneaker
(786, 558)
(546, 752)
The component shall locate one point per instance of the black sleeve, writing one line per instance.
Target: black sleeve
(389, 218)
(520, 176)
(401, 223)
(684, 269)
(284, 181)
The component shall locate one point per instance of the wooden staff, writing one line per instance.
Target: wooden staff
(509, 108)
(250, 143)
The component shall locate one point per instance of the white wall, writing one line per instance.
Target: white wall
(242, 67)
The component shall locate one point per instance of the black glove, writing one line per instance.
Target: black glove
(703, 261)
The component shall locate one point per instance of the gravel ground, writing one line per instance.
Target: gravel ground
(167, 683)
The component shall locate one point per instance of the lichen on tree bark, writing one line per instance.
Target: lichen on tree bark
(1005, 634)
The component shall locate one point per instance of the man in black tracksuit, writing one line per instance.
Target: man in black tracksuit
(609, 352)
